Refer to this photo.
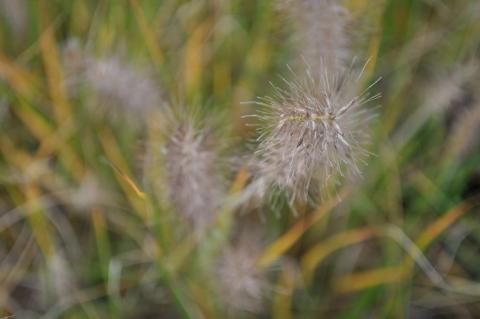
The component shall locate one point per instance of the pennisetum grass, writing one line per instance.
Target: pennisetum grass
(463, 138)
(193, 172)
(312, 132)
(16, 15)
(117, 85)
(171, 242)
(122, 85)
(240, 283)
(320, 35)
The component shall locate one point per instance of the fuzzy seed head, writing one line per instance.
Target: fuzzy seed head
(60, 277)
(121, 84)
(311, 132)
(320, 36)
(464, 136)
(242, 284)
(193, 179)
(16, 15)
(446, 88)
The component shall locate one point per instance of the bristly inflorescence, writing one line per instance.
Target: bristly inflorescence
(193, 172)
(311, 131)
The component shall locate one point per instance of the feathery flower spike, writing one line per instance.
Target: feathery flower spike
(193, 179)
(311, 133)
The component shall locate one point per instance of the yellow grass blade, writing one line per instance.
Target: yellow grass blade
(206, 304)
(286, 241)
(441, 224)
(240, 181)
(101, 235)
(148, 34)
(34, 121)
(129, 182)
(135, 196)
(314, 256)
(193, 60)
(358, 281)
(22, 81)
(367, 279)
(50, 140)
(38, 222)
(28, 193)
(282, 302)
(51, 61)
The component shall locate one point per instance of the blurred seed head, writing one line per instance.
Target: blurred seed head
(90, 193)
(120, 84)
(446, 88)
(193, 172)
(74, 63)
(15, 13)
(115, 83)
(465, 114)
(240, 282)
(320, 36)
(310, 132)
(441, 95)
(3, 110)
(59, 276)
(463, 138)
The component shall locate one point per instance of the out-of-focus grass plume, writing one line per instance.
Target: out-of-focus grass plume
(129, 183)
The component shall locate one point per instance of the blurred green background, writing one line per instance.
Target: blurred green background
(86, 233)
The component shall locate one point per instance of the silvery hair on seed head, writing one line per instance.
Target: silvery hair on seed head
(310, 132)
